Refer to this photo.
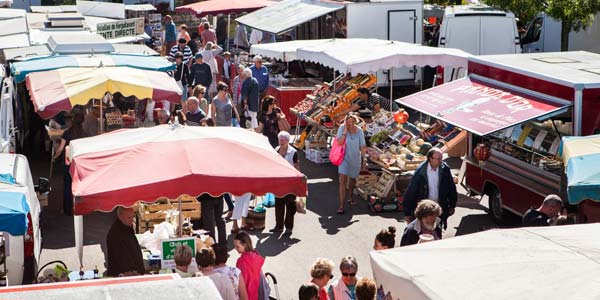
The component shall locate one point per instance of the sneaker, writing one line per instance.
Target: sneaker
(275, 230)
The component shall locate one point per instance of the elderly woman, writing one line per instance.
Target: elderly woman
(345, 287)
(205, 258)
(236, 90)
(354, 158)
(321, 272)
(199, 92)
(427, 222)
(285, 206)
(385, 239)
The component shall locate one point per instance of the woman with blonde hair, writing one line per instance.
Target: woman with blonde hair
(321, 272)
(354, 158)
(209, 55)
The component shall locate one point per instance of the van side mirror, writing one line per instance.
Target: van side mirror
(43, 186)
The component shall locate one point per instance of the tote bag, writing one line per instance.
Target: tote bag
(336, 156)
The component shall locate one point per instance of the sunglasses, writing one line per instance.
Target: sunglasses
(348, 274)
(330, 276)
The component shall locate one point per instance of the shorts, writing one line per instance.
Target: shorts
(253, 119)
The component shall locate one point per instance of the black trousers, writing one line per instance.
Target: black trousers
(212, 215)
(285, 209)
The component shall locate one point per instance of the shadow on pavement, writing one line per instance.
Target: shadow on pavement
(274, 244)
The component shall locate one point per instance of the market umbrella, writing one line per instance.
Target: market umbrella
(59, 90)
(144, 164)
(13, 212)
(215, 7)
(581, 156)
(556, 262)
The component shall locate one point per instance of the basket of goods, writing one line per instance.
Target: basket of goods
(378, 204)
(256, 217)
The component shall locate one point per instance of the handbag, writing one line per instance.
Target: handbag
(336, 156)
(284, 125)
(179, 82)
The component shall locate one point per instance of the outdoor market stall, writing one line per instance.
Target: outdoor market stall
(396, 146)
(516, 109)
(522, 263)
(252, 166)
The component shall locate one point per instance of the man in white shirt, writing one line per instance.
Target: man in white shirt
(432, 180)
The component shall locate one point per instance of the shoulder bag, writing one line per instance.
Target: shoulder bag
(336, 155)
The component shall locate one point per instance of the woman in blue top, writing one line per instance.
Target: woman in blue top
(354, 158)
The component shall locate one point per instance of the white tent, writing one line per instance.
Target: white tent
(356, 56)
(363, 55)
(560, 262)
(284, 51)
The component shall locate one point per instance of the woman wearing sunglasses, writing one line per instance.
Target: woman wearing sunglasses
(221, 108)
(345, 287)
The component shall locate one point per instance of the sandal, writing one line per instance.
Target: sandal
(340, 211)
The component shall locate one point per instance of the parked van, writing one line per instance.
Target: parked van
(22, 251)
(544, 35)
(479, 30)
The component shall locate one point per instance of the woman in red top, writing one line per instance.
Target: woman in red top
(250, 263)
(321, 272)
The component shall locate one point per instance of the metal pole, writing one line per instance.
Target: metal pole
(101, 114)
(391, 89)
(180, 217)
(228, 26)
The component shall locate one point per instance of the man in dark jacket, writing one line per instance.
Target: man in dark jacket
(124, 255)
(545, 214)
(200, 74)
(250, 96)
(432, 180)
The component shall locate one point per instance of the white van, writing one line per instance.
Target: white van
(479, 30)
(22, 252)
(544, 35)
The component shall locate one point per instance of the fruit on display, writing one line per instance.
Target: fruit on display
(425, 147)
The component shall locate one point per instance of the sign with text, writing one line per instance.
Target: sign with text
(168, 247)
(155, 20)
(477, 107)
(121, 28)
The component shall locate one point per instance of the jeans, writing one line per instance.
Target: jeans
(212, 211)
(285, 206)
(184, 94)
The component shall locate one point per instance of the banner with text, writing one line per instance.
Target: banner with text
(121, 28)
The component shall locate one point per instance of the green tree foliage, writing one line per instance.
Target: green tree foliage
(574, 14)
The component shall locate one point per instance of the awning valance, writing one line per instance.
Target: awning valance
(215, 7)
(479, 107)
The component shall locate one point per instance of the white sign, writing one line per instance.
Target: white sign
(155, 20)
(121, 28)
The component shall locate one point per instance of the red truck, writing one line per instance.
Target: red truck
(520, 106)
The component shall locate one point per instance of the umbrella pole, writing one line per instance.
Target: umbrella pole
(180, 218)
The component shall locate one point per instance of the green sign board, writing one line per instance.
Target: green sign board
(169, 246)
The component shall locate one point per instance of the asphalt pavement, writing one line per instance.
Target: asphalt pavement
(319, 233)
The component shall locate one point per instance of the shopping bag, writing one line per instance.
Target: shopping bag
(283, 124)
(269, 200)
(336, 156)
(301, 205)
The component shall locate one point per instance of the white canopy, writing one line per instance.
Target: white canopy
(363, 55)
(284, 51)
(356, 56)
(525, 263)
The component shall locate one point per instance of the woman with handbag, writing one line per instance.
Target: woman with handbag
(353, 139)
(267, 120)
(285, 207)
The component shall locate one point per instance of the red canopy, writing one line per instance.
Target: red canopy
(144, 164)
(480, 107)
(215, 7)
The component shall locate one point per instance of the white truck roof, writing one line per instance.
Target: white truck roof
(570, 68)
(462, 10)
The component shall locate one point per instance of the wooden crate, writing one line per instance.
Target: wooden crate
(456, 147)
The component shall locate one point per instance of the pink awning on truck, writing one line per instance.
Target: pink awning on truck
(479, 107)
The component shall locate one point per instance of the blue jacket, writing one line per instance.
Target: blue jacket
(250, 94)
(418, 190)
(262, 75)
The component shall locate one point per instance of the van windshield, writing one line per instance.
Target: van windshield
(534, 31)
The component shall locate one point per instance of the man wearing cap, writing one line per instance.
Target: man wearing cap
(261, 74)
(545, 214)
(183, 48)
(170, 33)
(201, 73)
